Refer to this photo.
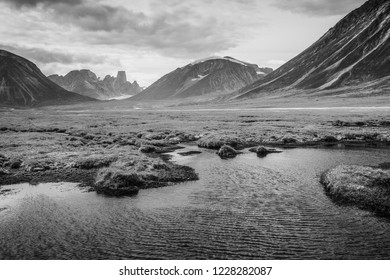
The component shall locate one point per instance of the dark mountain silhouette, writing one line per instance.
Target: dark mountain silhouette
(215, 75)
(23, 84)
(355, 51)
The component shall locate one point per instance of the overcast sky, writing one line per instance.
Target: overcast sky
(150, 38)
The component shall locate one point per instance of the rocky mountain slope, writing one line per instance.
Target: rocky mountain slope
(23, 84)
(120, 85)
(217, 75)
(355, 51)
(85, 82)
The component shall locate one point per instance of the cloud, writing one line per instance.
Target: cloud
(318, 7)
(97, 17)
(33, 3)
(43, 56)
(174, 28)
(147, 38)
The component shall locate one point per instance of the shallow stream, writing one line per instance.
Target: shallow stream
(242, 208)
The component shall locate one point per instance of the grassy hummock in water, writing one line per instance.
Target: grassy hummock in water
(262, 151)
(363, 186)
(227, 152)
(94, 162)
(127, 177)
(216, 141)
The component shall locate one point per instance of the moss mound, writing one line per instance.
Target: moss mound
(127, 177)
(116, 182)
(147, 149)
(227, 152)
(365, 187)
(262, 151)
(217, 141)
(94, 162)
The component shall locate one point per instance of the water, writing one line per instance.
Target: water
(243, 208)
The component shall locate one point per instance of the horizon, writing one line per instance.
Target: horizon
(152, 38)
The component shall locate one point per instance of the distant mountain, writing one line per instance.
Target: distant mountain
(120, 85)
(355, 51)
(85, 82)
(23, 84)
(219, 75)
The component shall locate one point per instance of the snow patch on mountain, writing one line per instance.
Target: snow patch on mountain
(219, 57)
(200, 77)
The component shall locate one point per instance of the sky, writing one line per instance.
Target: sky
(151, 38)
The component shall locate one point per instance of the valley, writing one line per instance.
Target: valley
(216, 159)
(53, 139)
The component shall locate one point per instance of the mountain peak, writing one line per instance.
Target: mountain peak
(209, 76)
(226, 58)
(85, 82)
(355, 51)
(121, 77)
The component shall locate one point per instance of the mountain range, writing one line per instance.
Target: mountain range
(214, 75)
(356, 51)
(23, 84)
(85, 82)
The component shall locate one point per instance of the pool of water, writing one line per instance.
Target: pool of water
(241, 208)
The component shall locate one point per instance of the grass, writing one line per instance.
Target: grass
(94, 162)
(112, 135)
(262, 151)
(115, 182)
(127, 177)
(227, 152)
(365, 187)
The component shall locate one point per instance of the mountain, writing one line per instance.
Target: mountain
(85, 82)
(120, 85)
(23, 84)
(219, 75)
(354, 52)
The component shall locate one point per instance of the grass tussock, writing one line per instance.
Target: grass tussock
(215, 141)
(94, 162)
(126, 177)
(262, 151)
(365, 187)
(116, 182)
(227, 152)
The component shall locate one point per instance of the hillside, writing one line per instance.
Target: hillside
(23, 84)
(355, 51)
(214, 75)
